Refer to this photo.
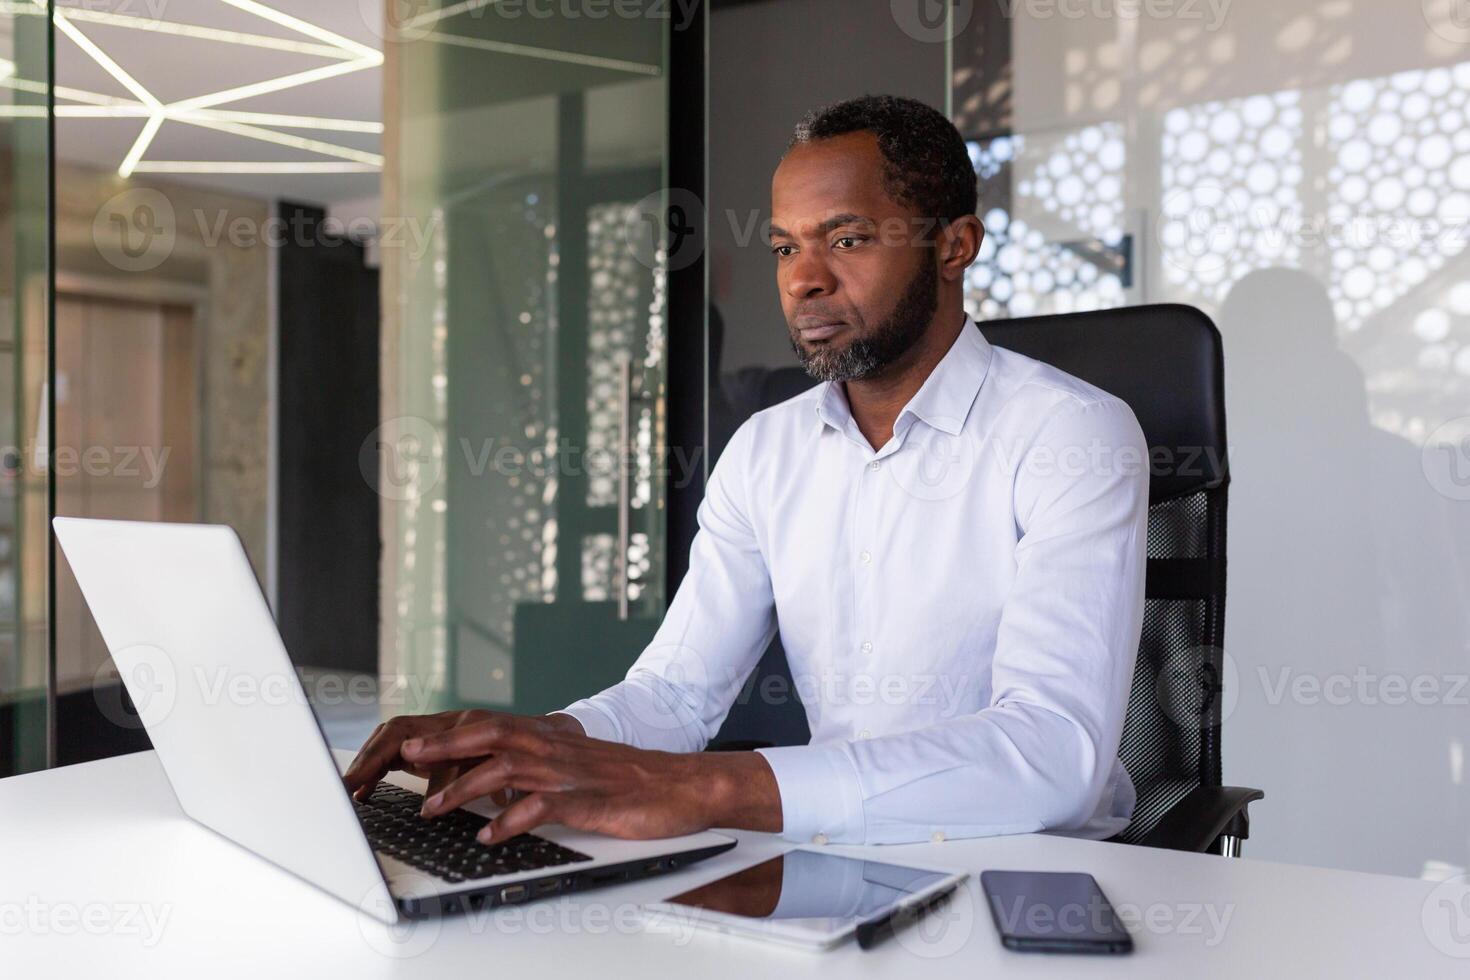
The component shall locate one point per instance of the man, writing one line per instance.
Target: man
(951, 536)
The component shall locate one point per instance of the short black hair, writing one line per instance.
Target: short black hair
(926, 164)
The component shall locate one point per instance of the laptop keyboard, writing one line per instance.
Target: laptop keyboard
(446, 846)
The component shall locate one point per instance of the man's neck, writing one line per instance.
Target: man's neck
(875, 402)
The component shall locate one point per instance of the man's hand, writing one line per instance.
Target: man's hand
(382, 752)
(565, 777)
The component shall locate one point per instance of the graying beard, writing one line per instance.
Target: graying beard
(854, 362)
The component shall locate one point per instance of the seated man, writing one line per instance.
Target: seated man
(950, 535)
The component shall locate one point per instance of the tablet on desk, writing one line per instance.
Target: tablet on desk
(802, 898)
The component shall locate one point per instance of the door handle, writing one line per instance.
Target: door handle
(625, 489)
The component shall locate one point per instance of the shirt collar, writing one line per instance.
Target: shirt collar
(942, 402)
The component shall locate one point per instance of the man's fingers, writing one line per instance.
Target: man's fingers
(506, 770)
(440, 778)
(367, 768)
(382, 751)
(440, 747)
(476, 739)
(522, 816)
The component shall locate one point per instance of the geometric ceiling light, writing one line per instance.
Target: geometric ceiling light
(211, 110)
(206, 111)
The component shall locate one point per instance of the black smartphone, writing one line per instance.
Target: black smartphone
(1053, 912)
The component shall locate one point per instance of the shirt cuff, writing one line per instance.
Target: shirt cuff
(595, 722)
(821, 796)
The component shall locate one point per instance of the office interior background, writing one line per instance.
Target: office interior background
(386, 290)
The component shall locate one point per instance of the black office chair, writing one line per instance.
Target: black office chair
(1166, 362)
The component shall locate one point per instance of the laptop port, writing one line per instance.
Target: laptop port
(547, 887)
(512, 893)
(653, 868)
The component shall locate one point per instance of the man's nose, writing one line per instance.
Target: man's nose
(808, 275)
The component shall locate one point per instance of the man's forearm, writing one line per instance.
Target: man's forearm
(726, 789)
(734, 789)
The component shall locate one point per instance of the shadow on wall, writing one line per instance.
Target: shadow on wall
(1346, 609)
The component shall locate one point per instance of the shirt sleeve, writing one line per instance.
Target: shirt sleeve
(679, 690)
(1040, 755)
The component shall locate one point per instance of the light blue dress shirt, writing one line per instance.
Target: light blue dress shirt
(960, 608)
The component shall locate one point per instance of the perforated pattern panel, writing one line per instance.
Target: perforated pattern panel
(1171, 737)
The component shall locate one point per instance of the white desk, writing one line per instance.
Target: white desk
(88, 851)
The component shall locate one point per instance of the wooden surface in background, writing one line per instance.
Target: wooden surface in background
(127, 437)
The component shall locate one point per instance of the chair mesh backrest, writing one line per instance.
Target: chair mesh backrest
(1170, 740)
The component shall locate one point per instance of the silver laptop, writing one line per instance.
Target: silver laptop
(194, 641)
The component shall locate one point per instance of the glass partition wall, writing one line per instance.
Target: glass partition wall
(521, 457)
(26, 669)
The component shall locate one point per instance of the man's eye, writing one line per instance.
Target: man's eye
(781, 250)
(851, 240)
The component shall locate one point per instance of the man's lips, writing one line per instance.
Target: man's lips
(818, 328)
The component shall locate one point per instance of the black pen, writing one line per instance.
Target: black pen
(874, 931)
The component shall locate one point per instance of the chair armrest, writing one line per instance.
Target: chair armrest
(736, 745)
(1194, 823)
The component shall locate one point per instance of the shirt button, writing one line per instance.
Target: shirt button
(867, 558)
(867, 648)
(875, 465)
(865, 734)
(937, 837)
(819, 839)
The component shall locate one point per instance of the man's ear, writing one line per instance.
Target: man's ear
(959, 243)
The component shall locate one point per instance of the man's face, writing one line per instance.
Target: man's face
(856, 270)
